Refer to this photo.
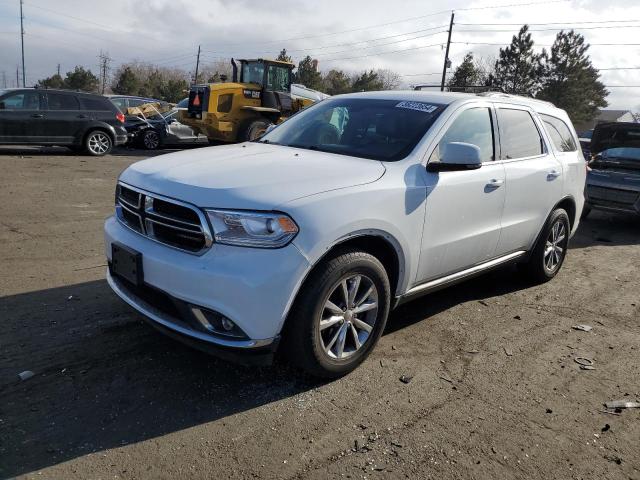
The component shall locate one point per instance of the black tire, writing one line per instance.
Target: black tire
(97, 143)
(586, 210)
(304, 343)
(538, 268)
(253, 129)
(149, 139)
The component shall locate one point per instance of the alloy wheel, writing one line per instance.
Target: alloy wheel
(348, 316)
(151, 140)
(555, 246)
(99, 143)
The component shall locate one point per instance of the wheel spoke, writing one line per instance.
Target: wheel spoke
(333, 339)
(342, 338)
(356, 339)
(329, 322)
(365, 307)
(364, 297)
(333, 308)
(355, 285)
(345, 293)
(560, 238)
(362, 325)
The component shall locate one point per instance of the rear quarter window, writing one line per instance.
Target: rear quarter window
(96, 104)
(519, 136)
(559, 133)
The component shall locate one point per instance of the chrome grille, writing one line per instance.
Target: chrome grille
(162, 219)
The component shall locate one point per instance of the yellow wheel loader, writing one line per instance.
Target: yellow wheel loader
(241, 110)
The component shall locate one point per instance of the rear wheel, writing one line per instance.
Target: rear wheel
(254, 129)
(150, 139)
(98, 143)
(339, 315)
(549, 253)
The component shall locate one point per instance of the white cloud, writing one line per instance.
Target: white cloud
(168, 31)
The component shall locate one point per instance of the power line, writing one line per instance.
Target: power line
(553, 29)
(550, 45)
(549, 23)
(385, 53)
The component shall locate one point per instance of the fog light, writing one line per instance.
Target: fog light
(227, 324)
(215, 323)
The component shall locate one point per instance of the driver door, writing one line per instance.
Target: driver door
(463, 208)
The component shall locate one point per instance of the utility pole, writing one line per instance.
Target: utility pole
(4, 79)
(447, 62)
(22, 43)
(17, 77)
(104, 68)
(58, 69)
(195, 80)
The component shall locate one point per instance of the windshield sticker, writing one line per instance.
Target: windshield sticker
(421, 107)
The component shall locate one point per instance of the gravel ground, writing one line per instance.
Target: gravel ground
(494, 390)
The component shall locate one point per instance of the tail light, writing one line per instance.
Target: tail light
(120, 117)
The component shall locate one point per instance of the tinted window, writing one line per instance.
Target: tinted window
(472, 126)
(135, 102)
(60, 101)
(121, 103)
(95, 104)
(519, 136)
(559, 133)
(22, 101)
(378, 129)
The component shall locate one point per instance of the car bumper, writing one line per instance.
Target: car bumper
(252, 287)
(613, 194)
(121, 136)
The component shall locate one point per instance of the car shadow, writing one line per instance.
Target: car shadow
(104, 378)
(607, 229)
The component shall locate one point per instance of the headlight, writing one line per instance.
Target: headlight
(252, 229)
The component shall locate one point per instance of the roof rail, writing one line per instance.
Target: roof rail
(516, 97)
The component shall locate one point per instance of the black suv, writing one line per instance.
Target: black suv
(80, 121)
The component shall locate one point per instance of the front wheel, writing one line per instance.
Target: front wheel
(549, 253)
(98, 143)
(150, 139)
(254, 130)
(339, 315)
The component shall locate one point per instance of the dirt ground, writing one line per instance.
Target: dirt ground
(494, 392)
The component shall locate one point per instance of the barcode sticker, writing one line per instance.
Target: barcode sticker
(421, 107)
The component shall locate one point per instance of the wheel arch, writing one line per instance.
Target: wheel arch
(102, 128)
(568, 203)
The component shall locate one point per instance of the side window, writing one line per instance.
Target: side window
(121, 103)
(135, 102)
(21, 101)
(94, 104)
(472, 126)
(277, 79)
(560, 134)
(519, 136)
(60, 101)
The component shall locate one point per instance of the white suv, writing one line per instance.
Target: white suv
(308, 237)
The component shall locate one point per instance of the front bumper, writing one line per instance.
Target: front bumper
(613, 191)
(252, 287)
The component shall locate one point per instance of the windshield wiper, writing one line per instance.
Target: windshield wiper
(305, 147)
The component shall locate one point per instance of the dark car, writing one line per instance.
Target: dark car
(123, 102)
(80, 121)
(160, 130)
(613, 182)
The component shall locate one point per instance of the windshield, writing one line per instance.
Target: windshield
(253, 72)
(384, 130)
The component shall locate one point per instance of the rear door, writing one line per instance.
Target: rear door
(21, 117)
(533, 177)
(64, 118)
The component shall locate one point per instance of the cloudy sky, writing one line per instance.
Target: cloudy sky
(406, 36)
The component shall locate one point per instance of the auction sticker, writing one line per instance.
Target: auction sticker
(421, 107)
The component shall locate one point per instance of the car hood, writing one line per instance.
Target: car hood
(249, 175)
(615, 135)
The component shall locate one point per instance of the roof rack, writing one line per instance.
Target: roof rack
(516, 97)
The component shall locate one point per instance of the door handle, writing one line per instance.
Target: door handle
(82, 116)
(37, 115)
(494, 183)
(552, 175)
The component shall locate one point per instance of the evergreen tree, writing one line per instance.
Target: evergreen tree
(54, 81)
(336, 82)
(126, 82)
(366, 82)
(517, 69)
(570, 81)
(81, 79)
(308, 74)
(465, 75)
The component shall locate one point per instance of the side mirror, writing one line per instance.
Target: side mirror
(457, 156)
